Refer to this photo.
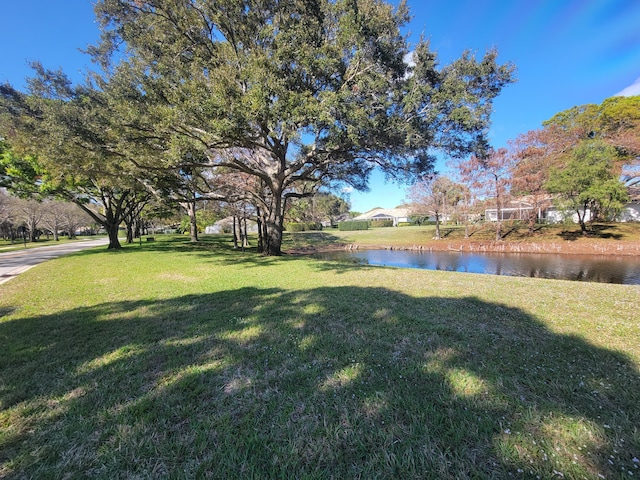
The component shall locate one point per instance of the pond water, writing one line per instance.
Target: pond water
(590, 268)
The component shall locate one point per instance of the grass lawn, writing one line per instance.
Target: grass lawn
(604, 234)
(171, 360)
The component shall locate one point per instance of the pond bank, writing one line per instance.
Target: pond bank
(580, 246)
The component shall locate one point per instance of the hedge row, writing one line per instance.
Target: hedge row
(381, 223)
(302, 227)
(350, 225)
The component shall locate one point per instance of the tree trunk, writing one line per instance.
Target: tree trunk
(235, 233)
(581, 219)
(33, 232)
(260, 231)
(129, 232)
(583, 228)
(466, 217)
(111, 223)
(112, 231)
(245, 239)
(273, 240)
(437, 226)
(55, 231)
(191, 211)
(531, 220)
(498, 209)
(498, 221)
(138, 228)
(274, 225)
(242, 238)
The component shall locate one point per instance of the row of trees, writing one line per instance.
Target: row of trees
(579, 160)
(26, 218)
(251, 103)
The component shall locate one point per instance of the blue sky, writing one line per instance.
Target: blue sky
(567, 53)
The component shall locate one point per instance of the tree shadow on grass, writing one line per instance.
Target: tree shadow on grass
(510, 230)
(331, 382)
(305, 241)
(600, 231)
(596, 231)
(6, 311)
(223, 248)
(209, 248)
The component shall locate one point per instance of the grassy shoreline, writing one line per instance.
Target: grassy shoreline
(172, 360)
(603, 239)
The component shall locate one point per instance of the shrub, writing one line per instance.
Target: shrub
(302, 227)
(405, 224)
(313, 226)
(350, 225)
(294, 227)
(381, 223)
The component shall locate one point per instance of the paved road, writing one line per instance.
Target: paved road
(18, 261)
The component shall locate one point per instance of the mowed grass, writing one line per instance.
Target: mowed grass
(171, 360)
(411, 236)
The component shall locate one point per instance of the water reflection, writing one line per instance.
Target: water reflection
(592, 268)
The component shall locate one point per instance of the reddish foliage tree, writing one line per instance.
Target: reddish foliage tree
(534, 154)
(432, 196)
(491, 177)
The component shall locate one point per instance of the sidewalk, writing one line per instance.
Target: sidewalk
(16, 262)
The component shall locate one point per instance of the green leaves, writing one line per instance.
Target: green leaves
(287, 92)
(588, 181)
(333, 75)
(615, 121)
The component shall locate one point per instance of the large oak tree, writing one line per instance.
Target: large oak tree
(291, 91)
(68, 135)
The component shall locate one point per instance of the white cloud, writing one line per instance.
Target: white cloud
(633, 89)
(408, 59)
(410, 63)
(347, 189)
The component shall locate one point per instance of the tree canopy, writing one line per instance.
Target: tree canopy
(587, 182)
(296, 95)
(294, 91)
(616, 121)
(67, 143)
(432, 196)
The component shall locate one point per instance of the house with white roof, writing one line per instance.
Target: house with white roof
(397, 215)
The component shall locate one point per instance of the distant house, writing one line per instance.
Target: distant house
(397, 215)
(332, 222)
(544, 210)
(226, 226)
(513, 210)
(631, 211)
(555, 215)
